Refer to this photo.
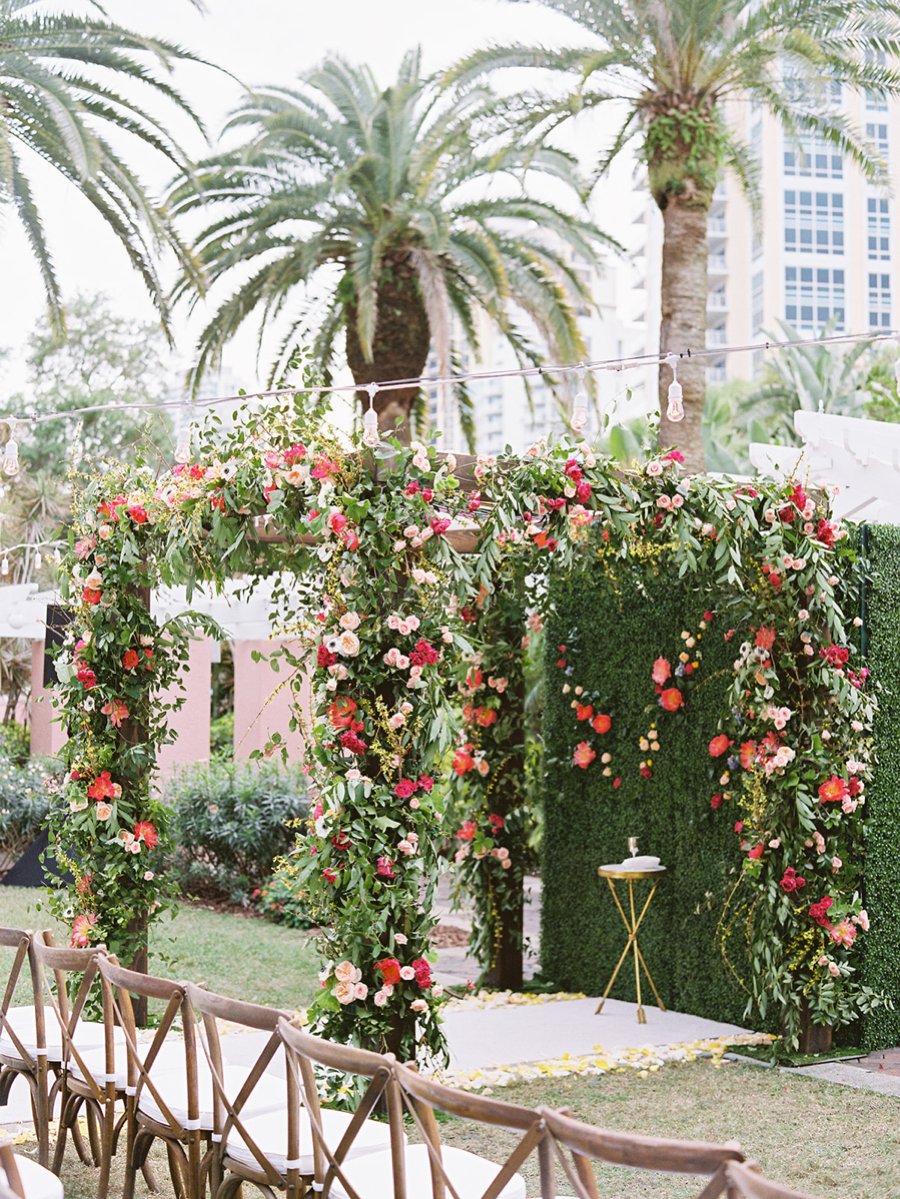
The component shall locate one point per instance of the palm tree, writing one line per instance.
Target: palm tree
(59, 103)
(675, 64)
(388, 204)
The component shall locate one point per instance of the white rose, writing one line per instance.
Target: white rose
(349, 621)
(346, 972)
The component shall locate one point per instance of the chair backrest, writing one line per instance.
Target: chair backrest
(12, 1187)
(304, 1053)
(19, 941)
(423, 1097)
(750, 1184)
(54, 965)
(576, 1144)
(119, 985)
(228, 1103)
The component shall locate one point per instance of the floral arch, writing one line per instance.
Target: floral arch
(415, 733)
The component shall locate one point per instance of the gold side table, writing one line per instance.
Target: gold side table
(632, 924)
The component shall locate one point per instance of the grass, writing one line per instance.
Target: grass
(241, 956)
(828, 1140)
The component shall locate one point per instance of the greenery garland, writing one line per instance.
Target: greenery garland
(367, 577)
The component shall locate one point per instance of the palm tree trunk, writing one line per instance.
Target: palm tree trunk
(683, 322)
(400, 347)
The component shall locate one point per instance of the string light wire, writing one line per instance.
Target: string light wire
(528, 372)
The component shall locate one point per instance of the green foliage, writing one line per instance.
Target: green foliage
(615, 622)
(15, 745)
(881, 1028)
(221, 738)
(280, 901)
(73, 89)
(25, 799)
(685, 153)
(230, 821)
(105, 359)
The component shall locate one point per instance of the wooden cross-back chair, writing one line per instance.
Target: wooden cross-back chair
(751, 1184)
(404, 1171)
(576, 1145)
(157, 1079)
(22, 1038)
(72, 1043)
(262, 1131)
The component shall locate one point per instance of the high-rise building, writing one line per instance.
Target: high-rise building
(823, 253)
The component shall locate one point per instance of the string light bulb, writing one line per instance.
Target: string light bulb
(185, 436)
(11, 453)
(580, 411)
(4, 566)
(675, 406)
(38, 560)
(371, 436)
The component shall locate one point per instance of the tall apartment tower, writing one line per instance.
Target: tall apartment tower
(826, 250)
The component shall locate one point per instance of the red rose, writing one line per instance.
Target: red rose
(584, 711)
(601, 723)
(426, 782)
(716, 801)
(423, 973)
(738, 826)
(439, 525)
(496, 822)
(405, 788)
(325, 657)
(91, 595)
(329, 875)
(389, 969)
(792, 881)
(130, 659)
(138, 514)
(384, 868)
(662, 670)
(765, 638)
(819, 911)
(86, 677)
(583, 755)
(756, 852)
(719, 745)
(617, 782)
(486, 717)
(671, 699)
(354, 744)
(467, 831)
(463, 762)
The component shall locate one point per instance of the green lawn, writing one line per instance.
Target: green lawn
(819, 1137)
(241, 956)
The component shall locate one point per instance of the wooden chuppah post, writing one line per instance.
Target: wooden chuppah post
(134, 733)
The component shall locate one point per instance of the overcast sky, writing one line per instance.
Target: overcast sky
(260, 41)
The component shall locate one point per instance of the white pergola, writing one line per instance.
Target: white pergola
(859, 457)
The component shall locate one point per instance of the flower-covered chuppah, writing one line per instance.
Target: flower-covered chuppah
(369, 578)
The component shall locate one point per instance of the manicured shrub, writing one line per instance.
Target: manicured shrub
(230, 821)
(279, 901)
(24, 804)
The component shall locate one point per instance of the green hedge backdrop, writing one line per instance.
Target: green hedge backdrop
(614, 626)
(615, 622)
(881, 611)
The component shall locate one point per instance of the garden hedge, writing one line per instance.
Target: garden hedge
(882, 636)
(614, 627)
(614, 623)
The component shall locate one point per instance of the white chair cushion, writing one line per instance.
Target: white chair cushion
(170, 1057)
(88, 1033)
(37, 1182)
(269, 1132)
(371, 1176)
(268, 1095)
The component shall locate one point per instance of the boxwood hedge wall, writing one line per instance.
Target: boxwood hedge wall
(882, 644)
(613, 630)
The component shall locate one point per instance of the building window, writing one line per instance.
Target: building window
(811, 156)
(877, 135)
(814, 222)
(757, 309)
(813, 297)
(879, 301)
(878, 227)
